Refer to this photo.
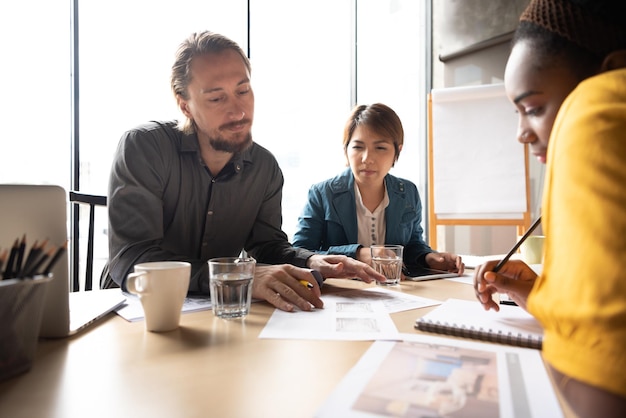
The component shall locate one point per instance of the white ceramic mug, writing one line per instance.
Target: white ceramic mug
(162, 287)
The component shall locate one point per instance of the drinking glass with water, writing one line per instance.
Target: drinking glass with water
(387, 260)
(230, 281)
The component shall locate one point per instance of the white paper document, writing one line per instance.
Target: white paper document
(423, 376)
(342, 318)
(133, 311)
(394, 301)
(466, 278)
(473, 261)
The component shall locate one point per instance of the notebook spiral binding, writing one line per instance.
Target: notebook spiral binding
(483, 334)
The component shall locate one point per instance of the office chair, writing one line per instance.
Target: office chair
(77, 199)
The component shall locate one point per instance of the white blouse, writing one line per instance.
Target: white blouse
(371, 225)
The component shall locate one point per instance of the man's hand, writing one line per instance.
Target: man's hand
(341, 266)
(281, 286)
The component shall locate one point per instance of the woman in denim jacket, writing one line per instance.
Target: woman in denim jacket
(365, 205)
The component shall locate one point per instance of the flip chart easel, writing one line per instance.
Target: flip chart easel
(477, 171)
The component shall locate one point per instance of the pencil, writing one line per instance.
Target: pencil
(42, 259)
(3, 258)
(306, 284)
(20, 256)
(516, 246)
(55, 258)
(33, 256)
(8, 271)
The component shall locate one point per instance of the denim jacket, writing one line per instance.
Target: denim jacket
(328, 222)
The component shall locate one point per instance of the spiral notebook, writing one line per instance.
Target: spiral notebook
(466, 318)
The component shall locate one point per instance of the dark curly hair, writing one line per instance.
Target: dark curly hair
(582, 32)
(550, 47)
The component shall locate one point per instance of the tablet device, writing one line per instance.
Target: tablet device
(419, 273)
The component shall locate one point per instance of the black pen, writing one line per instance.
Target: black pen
(516, 246)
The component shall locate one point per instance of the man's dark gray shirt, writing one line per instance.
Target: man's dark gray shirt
(165, 205)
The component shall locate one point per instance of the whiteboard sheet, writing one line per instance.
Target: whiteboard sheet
(478, 165)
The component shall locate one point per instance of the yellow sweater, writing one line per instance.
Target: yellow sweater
(581, 296)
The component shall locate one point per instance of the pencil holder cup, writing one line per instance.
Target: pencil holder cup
(21, 309)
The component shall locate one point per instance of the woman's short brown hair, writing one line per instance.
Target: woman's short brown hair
(378, 118)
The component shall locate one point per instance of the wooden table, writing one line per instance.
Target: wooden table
(209, 367)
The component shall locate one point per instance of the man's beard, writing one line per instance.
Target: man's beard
(219, 143)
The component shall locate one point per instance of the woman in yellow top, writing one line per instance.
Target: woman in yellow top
(567, 77)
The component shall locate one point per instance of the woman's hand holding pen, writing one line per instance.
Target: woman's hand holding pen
(514, 278)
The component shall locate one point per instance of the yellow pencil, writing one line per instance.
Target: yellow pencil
(306, 284)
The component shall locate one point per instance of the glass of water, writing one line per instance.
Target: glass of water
(387, 260)
(230, 281)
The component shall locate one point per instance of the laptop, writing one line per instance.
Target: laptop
(40, 212)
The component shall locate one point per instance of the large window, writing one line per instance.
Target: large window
(309, 67)
(126, 51)
(35, 106)
(392, 57)
(302, 76)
